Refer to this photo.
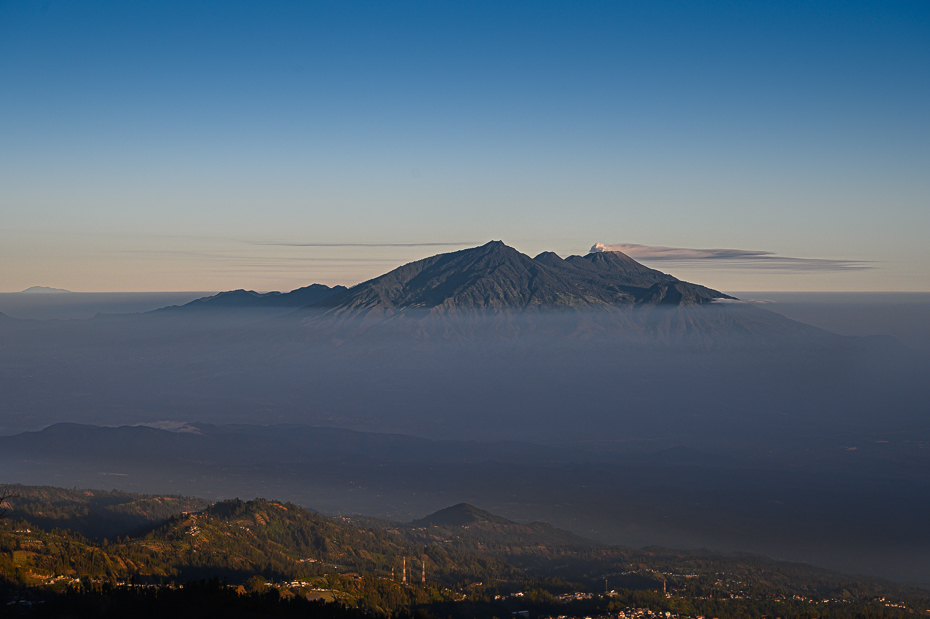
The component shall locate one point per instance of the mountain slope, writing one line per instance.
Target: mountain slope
(606, 268)
(249, 299)
(94, 513)
(235, 539)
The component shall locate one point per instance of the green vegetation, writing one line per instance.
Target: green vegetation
(233, 540)
(95, 513)
(278, 559)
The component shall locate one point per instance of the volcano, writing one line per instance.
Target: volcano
(497, 278)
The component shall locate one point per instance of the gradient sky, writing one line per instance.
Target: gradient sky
(210, 146)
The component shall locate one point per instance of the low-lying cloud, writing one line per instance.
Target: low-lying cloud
(732, 258)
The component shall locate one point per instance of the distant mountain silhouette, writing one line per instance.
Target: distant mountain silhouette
(248, 299)
(494, 292)
(499, 278)
(43, 290)
(459, 516)
(464, 523)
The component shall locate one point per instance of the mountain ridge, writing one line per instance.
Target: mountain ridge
(43, 290)
(249, 299)
(495, 278)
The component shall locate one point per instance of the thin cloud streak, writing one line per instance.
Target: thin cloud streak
(231, 256)
(463, 244)
(732, 258)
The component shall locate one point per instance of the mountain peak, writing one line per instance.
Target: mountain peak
(493, 276)
(619, 269)
(458, 516)
(550, 259)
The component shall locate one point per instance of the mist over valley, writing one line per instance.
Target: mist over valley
(607, 398)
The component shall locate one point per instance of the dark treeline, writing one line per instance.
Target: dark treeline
(196, 599)
(215, 598)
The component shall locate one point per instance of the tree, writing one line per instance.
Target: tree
(256, 584)
(5, 507)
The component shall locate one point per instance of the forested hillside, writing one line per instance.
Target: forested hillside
(95, 513)
(461, 561)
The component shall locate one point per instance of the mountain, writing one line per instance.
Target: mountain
(43, 290)
(494, 293)
(249, 299)
(500, 279)
(459, 515)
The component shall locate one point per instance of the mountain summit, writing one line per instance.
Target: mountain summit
(459, 516)
(499, 278)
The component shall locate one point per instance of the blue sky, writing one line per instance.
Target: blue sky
(209, 146)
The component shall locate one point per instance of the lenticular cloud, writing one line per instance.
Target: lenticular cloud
(732, 258)
(679, 253)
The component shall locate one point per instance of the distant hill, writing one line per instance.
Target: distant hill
(467, 527)
(236, 539)
(459, 515)
(95, 513)
(249, 299)
(43, 290)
